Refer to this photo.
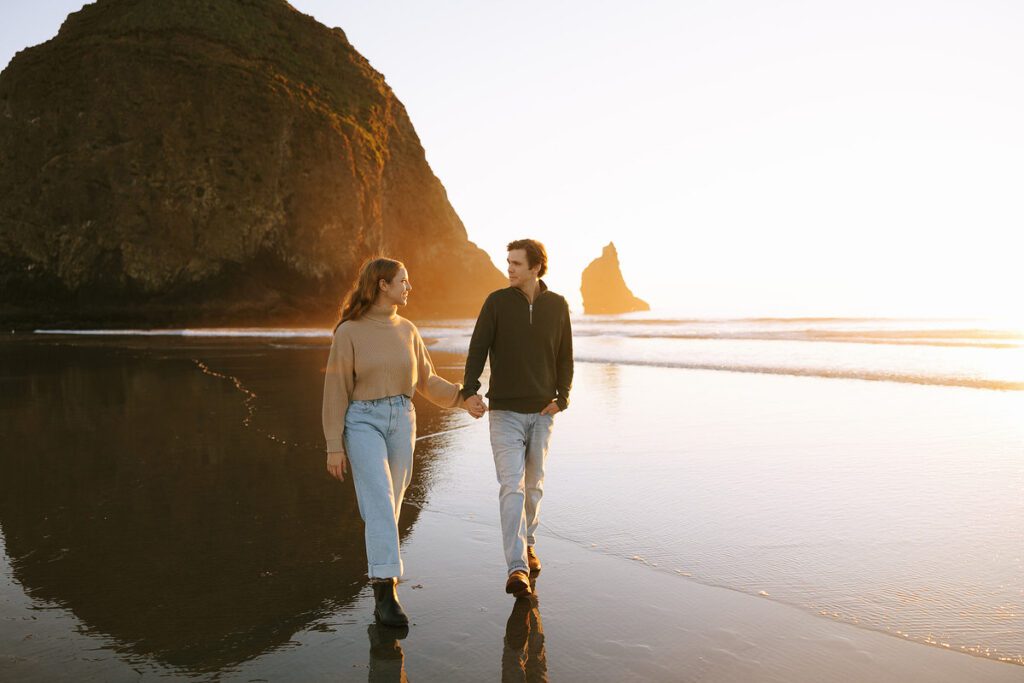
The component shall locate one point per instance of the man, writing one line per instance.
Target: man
(524, 330)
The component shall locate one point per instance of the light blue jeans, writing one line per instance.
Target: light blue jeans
(519, 442)
(379, 440)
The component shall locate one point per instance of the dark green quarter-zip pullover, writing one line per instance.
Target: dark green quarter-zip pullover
(529, 347)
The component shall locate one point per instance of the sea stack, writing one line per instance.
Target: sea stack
(210, 163)
(604, 289)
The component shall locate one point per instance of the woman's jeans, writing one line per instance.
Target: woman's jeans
(519, 442)
(379, 440)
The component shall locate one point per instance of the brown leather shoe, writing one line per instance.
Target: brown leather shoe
(533, 560)
(518, 584)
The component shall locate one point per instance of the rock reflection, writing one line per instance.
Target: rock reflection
(523, 659)
(132, 494)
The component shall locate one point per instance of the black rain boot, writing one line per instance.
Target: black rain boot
(386, 608)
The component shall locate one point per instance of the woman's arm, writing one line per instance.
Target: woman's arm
(339, 381)
(437, 389)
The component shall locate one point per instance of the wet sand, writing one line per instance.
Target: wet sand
(610, 619)
(165, 513)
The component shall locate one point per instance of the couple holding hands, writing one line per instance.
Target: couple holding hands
(378, 360)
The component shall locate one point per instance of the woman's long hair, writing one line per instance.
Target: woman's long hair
(364, 291)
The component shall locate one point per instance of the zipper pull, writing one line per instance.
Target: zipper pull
(531, 314)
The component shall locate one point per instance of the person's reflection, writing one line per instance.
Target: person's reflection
(387, 661)
(523, 658)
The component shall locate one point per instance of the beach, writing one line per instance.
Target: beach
(166, 513)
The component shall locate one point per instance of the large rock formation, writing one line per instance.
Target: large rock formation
(603, 288)
(213, 162)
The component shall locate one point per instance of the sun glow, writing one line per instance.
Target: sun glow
(746, 159)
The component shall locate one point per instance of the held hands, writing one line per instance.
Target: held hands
(550, 409)
(337, 465)
(475, 406)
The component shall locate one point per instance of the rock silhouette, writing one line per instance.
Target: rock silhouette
(603, 288)
(213, 162)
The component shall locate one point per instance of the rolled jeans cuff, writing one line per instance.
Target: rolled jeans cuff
(385, 571)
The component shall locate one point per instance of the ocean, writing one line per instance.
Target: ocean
(968, 353)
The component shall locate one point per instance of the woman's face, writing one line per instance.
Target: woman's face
(396, 292)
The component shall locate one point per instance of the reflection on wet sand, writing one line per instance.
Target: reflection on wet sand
(133, 494)
(387, 661)
(524, 659)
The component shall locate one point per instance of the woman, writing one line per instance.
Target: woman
(377, 361)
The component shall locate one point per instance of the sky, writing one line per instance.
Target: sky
(748, 158)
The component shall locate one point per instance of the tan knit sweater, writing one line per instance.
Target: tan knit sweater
(376, 356)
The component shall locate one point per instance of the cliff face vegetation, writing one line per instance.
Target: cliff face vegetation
(213, 161)
(603, 288)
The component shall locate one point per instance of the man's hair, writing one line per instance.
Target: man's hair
(535, 253)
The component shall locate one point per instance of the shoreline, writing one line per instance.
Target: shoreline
(624, 351)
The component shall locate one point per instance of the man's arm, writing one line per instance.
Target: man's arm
(563, 364)
(479, 347)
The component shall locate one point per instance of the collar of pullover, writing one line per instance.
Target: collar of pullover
(541, 288)
(388, 317)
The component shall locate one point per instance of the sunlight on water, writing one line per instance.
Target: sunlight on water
(893, 507)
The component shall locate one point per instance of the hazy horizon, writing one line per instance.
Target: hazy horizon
(854, 159)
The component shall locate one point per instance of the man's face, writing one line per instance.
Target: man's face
(519, 271)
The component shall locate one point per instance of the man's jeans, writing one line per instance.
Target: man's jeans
(379, 440)
(520, 445)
